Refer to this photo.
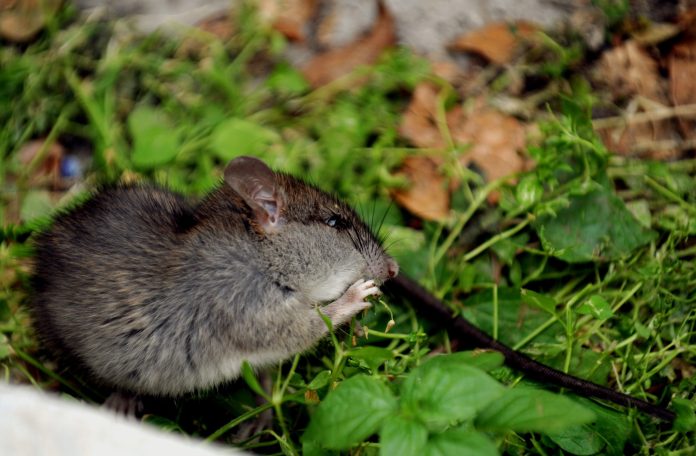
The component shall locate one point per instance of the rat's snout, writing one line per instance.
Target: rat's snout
(392, 268)
(383, 269)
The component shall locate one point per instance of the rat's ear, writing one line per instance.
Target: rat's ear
(256, 183)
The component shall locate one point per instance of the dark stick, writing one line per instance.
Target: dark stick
(434, 310)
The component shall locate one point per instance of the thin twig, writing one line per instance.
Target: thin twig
(688, 110)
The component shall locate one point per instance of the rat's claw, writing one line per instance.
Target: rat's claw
(361, 289)
(352, 301)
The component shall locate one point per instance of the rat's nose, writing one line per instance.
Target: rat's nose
(392, 268)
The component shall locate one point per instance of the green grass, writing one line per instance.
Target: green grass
(587, 264)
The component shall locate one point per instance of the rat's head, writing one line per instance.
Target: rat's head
(311, 240)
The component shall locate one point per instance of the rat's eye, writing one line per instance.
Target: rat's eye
(336, 221)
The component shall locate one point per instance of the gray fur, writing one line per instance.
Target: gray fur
(155, 296)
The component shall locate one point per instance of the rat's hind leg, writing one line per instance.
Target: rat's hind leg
(127, 404)
(263, 420)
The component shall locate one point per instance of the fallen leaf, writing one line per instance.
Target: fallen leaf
(685, 369)
(496, 140)
(428, 195)
(655, 33)
(20, 20)
(342, 22)
(590, 23)
(333, 64)
(418, 122)
(46, 169)
(289, 17)
(218, 25)
(447, 70)
(630, 72)
(631, 135)
(498, 42)
(682, 84)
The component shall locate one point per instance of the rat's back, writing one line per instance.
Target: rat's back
(100, 261)
(154, 296)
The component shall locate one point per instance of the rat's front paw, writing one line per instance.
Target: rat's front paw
(360, 290)
(352, 301)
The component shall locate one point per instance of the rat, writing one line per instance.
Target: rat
(153, 295)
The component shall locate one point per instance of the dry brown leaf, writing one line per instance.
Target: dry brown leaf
(498, 42)
(427, 196)
(655, 33)
(48, 169)
(496, 141)
(20, 20)
(218, 25)
(289, 17)
(590, 23)
(495, 138)
(682, 83)
(449, 71)
(418, 122)
(684, 368)
(333, 64)
(628, 70)
(654, 139)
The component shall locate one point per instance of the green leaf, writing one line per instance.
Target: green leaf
(484, 360)
(594, 226)
(36, 204)
(531, 410)
(686, 417)
(584, 363)
(446, 388)
(642, 330)
(579, 440)
(538, 300)
(410, 250)
(529, 190)
(163, 423)
(5, 312)
(609, 432)
(372, 356)
(250, 379)
(641, 211)
(460, 441)
(515, 321)
(596, 306)
(506, 249)
(287, 80)
(155, 142)
(402, 436)
(321, 380)
(352, 412)
(235, 137)
(14, 233)
(312, 448)
(4, 346)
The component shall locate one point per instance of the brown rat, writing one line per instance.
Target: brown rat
(153, 295)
